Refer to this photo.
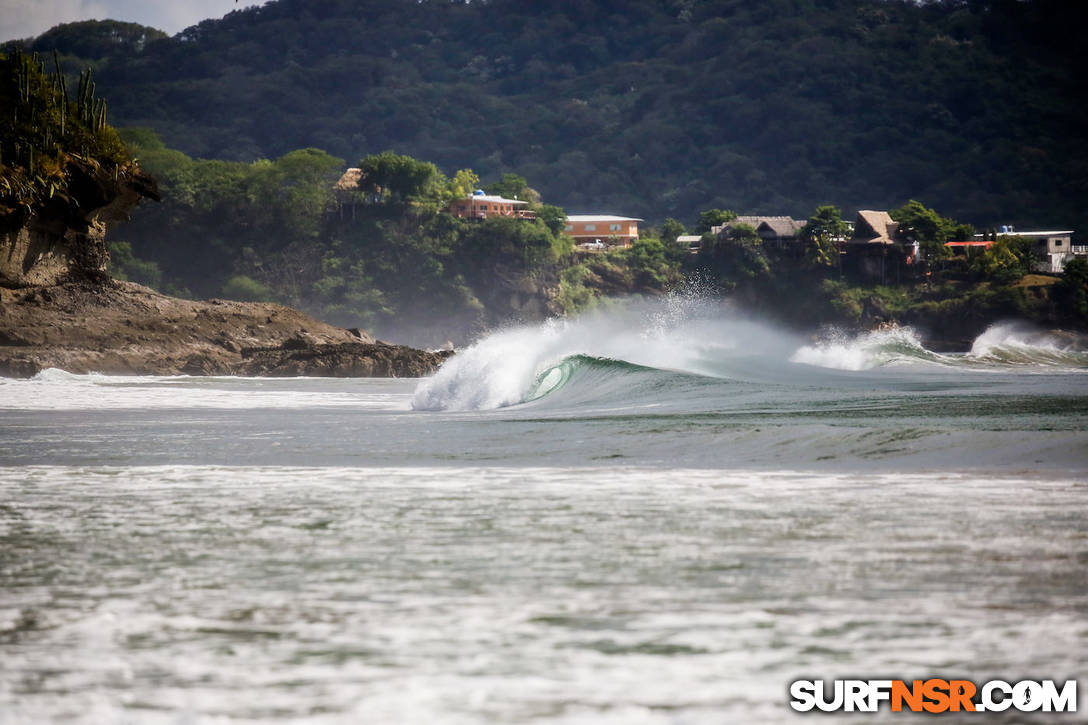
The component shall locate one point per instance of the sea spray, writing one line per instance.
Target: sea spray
(888, 345)
(682, 332)
(694, 335)
(1003, 346)
(1015, 343)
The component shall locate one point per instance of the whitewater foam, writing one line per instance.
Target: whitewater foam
(1015, 343)
(53, 389)
(878, 348)
(674, 334)
(682, 334)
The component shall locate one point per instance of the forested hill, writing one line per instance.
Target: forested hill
(652, 108)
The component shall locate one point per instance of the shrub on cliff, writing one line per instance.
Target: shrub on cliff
(44, 130)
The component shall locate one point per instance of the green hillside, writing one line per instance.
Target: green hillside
(653, 108)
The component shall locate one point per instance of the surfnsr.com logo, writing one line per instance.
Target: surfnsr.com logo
(933, 696)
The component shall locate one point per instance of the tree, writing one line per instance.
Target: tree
(824, 228)
(553, 217)
(713, 218)
(509, 241)
(929, 228)
(303, 182)
(736, 256)
(670, 230)
(650, 266)
(96, 39)
(512, 186)
(393, 177)
(1009, 258)
(464, 182)
(1073, 289)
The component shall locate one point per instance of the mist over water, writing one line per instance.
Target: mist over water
(661, 513)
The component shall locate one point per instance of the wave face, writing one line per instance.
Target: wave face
(682, 342)
(679, 335)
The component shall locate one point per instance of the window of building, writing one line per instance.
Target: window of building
(568, 228)
(1058, 242)
(591, 227)
(613, 227)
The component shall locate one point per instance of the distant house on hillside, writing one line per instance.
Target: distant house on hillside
(778, 232)
(604, 228)
(345, 190)
(1053, 250)
(877, 247)
(480, 205)
(349, 181)
(691, 242)
(875, 227)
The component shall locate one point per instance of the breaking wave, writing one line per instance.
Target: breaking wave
(677, 335)
(1003, 345)
(675, 345)
(887, 346)
(1016, 344)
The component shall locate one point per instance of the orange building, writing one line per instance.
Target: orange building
(480, 206)
(590, 228)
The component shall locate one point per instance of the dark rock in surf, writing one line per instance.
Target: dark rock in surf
(352, 359)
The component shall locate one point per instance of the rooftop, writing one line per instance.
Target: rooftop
(874, 227)
(1065, 232)
(350, 180)
(493, 199)
(782, 226)
(600, 218)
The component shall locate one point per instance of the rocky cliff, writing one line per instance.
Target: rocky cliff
(63, 237)
(59, 308)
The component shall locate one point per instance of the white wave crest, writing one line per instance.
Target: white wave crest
(885, 346)
(1015, 342)
(677, 332)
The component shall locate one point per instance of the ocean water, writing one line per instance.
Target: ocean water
(664, 514)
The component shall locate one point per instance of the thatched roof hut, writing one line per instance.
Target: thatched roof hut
(874, 227)
(770, 228)
(350, 180)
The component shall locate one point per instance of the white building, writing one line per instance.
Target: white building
(1054, 249)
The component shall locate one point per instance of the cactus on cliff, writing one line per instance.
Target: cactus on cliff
(45, 131)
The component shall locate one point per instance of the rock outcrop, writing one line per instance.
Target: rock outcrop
(340, 360)
(60, 309)
(64, 237)
(122, 328)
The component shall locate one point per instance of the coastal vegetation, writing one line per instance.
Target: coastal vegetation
(245, 215)
(46, 130)
(652, 108)
(381, 254)
(384, 254)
